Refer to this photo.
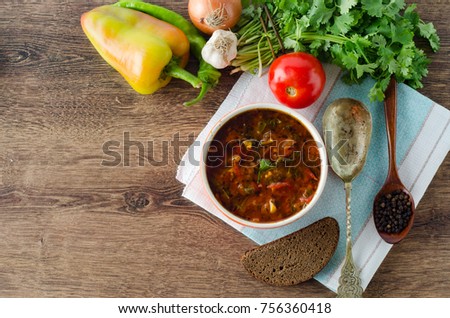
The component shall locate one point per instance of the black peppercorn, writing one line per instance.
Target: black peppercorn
(392, 212)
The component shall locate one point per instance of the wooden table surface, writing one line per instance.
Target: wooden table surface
(70, 227)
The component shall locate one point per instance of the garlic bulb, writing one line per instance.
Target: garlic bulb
(220, 49)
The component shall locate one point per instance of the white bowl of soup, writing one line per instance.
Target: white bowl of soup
(264, 165)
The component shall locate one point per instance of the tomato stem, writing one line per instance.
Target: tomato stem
(291, 91)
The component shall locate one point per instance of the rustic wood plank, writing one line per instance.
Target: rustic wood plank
(70, 227)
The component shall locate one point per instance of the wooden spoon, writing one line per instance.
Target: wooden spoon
(393, 183)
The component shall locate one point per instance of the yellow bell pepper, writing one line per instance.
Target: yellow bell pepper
(146, 51)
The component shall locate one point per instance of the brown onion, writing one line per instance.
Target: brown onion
(211, 15)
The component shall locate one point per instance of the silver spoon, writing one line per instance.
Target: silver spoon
(347, 127)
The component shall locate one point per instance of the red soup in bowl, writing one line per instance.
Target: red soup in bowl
(264, 165)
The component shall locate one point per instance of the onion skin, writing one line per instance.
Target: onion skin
(211, 15)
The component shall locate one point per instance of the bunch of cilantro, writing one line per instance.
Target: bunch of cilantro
(364, 37)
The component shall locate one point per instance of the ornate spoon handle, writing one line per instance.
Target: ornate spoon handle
(349, 282)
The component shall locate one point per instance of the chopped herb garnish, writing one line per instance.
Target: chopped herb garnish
(264, 165)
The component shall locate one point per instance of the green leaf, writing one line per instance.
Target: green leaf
(428, 31)
(342, 24)
(346, 5)
(393, 66)
(292, 5)
(376, 93)
(393, 8)
(350, 60)
(386, 56)
(247, 3)
(401, 34)
(301, 25)
(289, 44)
(294, 45)
(411, 15)
(379, 40)
(316, 44)
(288, 22)
(265, 164)
(320, 13)
(361, 41)
(337, 53)
(381, 26)
(373, 7)
(405, 59)
(362, 69)
(420, 62)
(252, 11)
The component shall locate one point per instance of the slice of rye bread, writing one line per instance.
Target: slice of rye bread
(296, 257)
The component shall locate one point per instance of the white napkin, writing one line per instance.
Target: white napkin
(423, 141)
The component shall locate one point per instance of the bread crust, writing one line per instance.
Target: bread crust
(294, 258)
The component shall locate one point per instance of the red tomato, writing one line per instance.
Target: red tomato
(296, 79)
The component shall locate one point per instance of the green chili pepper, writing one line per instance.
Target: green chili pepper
(206, 73)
